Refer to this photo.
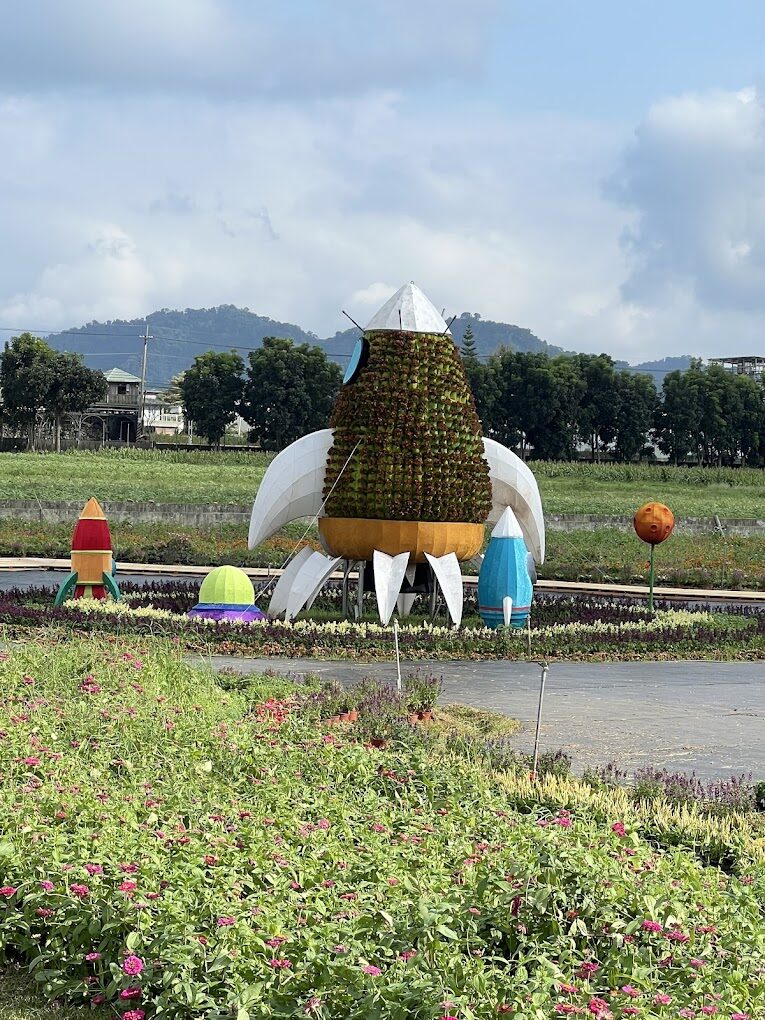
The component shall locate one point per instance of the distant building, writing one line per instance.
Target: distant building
(118, 411)
(750, 365)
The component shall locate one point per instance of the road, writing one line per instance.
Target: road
(705, 717)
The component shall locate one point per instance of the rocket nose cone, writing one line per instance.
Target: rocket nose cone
(92, 511)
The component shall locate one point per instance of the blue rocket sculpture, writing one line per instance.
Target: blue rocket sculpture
(504, 584)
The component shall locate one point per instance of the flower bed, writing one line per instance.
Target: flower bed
(172, 847)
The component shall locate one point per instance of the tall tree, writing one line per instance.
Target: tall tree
(73, 389)
(27, 367)
(288, 392)
(595, 418)
(469, 350)
(633, 412)
(678, 416)
(211, 390)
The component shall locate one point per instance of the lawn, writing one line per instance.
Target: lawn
(174, 844)
(233, 478)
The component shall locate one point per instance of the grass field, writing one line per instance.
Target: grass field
(200, 477)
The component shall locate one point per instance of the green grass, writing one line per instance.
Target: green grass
(276, 862)
(20, 1001)
(201, 477)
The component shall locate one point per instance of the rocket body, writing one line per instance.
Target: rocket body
(92, 558)
(505, 575)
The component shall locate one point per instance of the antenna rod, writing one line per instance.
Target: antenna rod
(352, 320)
(448, 325)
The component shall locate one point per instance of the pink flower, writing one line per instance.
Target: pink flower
(130, 993)
(587, 969)
(568, 989)
(676, 936)
(79, 890)
(133, 1014)
(90, 957)
(651, 926)
(687, 1013)
(739, 1016)
(323, 823)
(226, 921)
(709, 1010)
(44, 912)
(94, 869)
(697, 964)
(618, 828)
(32, 760)
(279, 964)
(46, 885)
(129, 869)
(408, 954)
(662, 999)
(599, 1009)
(339, 948)
(370, 969)
(132, 965)
(312, 1004)
(7, 891)
(632, 992)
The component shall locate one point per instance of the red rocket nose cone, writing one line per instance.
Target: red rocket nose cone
(92, 528)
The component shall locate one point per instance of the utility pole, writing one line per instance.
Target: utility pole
(142, 398)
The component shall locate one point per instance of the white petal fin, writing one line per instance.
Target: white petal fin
(449, 576)
(404, 603)
(514, 485)
(309, 580)
(292, 486)
(278, 603)
(389, 575)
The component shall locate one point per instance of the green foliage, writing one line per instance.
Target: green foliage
(288, 392)
(73, 390)
(419, 453)
(177, 848)
(27, 372)
(211, 391)
(468, 348)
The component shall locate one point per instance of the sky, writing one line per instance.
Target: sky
(594, 172)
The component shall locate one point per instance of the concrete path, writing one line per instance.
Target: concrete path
(706, 717)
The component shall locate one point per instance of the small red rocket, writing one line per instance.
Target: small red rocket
(92, 573)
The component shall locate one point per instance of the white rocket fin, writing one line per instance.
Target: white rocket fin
(278, 603)
(389, 574)
(309, 580)
(449, 576)
(292, 486)
(513, 485)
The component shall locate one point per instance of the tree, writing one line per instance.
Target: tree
(468, 350)
(678, 417)
(73, 389)
(211, 390)
(27, 368)
(288, 392)
(633, 413)
(595, 418)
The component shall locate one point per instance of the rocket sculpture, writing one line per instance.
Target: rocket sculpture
(504, 583)
(402, 481)
(92, 573)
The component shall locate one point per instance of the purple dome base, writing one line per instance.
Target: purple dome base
(240, 614)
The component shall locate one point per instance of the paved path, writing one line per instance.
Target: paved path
(707, 717)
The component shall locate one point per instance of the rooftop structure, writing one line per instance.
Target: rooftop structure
(751, 365)
(408, 310)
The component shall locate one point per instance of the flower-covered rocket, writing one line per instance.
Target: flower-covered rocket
(92, 573)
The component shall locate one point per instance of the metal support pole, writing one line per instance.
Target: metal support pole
(539, 721)
(398, 657)
(346, 576)
(650, 582)
(360, 592)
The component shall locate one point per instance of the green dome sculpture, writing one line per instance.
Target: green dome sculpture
(227, 585)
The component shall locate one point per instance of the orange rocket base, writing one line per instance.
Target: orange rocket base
(92, 573)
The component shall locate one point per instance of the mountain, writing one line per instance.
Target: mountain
(179, 336)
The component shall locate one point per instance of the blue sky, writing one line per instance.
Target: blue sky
(592, 171)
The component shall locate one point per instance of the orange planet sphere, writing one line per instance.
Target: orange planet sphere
(654, 522)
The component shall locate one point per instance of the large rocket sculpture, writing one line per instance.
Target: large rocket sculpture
(402, 482)
(504, 583)
(92, 573)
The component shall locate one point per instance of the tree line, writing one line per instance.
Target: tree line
(40, 385)
(545, 408)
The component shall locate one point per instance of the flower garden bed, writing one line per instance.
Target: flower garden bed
(562, 628)
(173, 846)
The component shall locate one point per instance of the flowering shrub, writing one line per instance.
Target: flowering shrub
(172, 847)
